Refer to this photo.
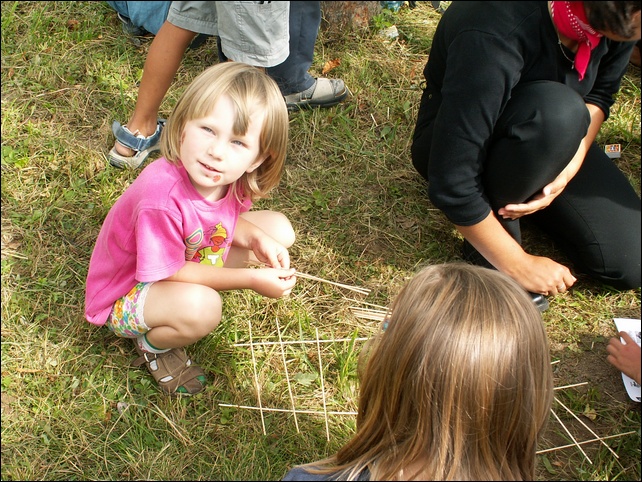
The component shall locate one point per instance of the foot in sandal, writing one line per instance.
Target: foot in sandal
(141, 146)
(173, 371)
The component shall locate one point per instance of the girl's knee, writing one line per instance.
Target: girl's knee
(204, 312)
(273, 223)
(284, 232)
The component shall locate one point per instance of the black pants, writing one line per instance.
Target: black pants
(596, 219)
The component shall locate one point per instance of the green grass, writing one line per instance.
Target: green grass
(73, 408)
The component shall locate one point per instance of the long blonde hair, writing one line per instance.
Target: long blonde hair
(459, 386)
(249, 89)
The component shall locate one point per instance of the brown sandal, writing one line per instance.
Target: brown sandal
(173, 371)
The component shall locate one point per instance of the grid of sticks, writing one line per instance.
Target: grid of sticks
(374, 312)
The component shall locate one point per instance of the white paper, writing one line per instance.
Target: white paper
(632, 327)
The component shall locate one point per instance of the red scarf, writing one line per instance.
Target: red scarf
(570, 20)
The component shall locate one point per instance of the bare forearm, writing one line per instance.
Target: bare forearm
(245, 233)
(597, 118)
(494, 243)
(535, 273)
(217, 278)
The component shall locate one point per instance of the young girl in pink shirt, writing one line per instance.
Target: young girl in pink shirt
(183, 230)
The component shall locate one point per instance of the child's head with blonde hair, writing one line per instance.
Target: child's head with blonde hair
(250, 90)
(458, 386)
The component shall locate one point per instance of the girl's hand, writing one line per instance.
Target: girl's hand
(272, 282)
(268, 251)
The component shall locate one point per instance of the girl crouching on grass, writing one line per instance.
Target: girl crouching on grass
(459, 386)
(183, 230)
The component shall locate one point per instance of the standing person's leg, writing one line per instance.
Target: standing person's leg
(300, 89)
(139, 18)
(292, 76)
(141, 136)
(256, 33)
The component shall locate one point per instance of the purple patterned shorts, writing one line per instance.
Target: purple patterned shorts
(126, 318)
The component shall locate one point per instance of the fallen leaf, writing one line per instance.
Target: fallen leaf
(330, 65)
(305, 378)
(590, 413)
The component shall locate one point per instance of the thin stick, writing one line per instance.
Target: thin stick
(569, 386)
(287, 377)
(363, 291)
(584, 442)
(572, 438)
(369, 310)
(325, 409)
(287, 410)
(297, 342)
(586, 427)
(384, 308)
(369, 314)
(256, 378)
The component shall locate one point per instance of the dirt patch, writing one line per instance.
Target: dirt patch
(600, 403)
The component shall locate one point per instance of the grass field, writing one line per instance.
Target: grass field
(73, 408)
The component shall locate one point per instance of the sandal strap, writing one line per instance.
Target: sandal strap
(188, 378)
(173, 363)
(143, 359)
(137, 143)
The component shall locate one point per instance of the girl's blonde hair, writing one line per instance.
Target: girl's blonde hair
(459, 386)
(250, 89)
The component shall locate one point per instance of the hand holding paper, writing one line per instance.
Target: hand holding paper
(624, 354)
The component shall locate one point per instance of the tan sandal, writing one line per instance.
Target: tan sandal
(173, 371)
(323, 93)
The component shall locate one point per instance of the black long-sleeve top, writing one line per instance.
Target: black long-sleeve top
(480, 52)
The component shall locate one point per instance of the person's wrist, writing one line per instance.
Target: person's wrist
(514, 262)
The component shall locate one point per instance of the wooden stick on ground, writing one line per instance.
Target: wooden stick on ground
(543, 451)
(569, 386)
(587, 427)
(287, 376)
(363, 291)
(365, 303)
(325, 408)
(299, 342)
(368, 313)
(256, 378)
(570, 435)
(288, 410)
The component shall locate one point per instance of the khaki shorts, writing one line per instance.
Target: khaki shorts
(256, 33)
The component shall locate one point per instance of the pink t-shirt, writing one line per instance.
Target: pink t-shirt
(158, 224)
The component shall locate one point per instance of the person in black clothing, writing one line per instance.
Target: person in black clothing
(515, 95)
